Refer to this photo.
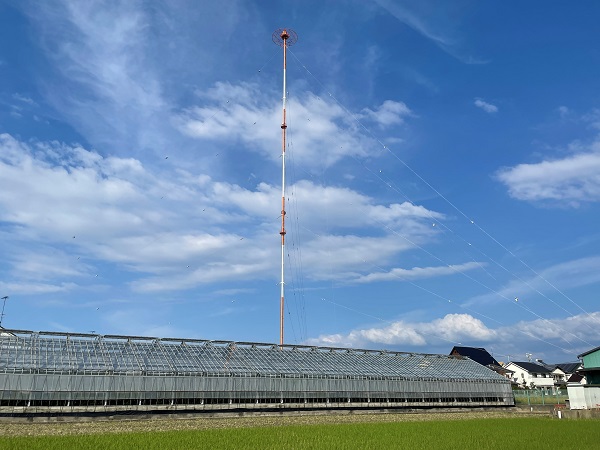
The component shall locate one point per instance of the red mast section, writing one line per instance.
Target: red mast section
(284, 38)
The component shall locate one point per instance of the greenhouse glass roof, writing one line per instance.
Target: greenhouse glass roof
(49, 352)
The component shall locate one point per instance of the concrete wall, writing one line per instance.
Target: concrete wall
(583, 396)
(579, 414)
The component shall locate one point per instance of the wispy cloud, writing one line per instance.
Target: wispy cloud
(118, 70)
(23, 99)
(99, 50)
(412, 17)
(548, 285)
(592, 118)
(29, 288)
(418, 273)
(389, 113)
(487, 107)
(564, 112)
(431, 20)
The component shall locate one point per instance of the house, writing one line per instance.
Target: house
(477, 354)
(587, 396)
(481, 356)
(530, 375)
(562, 372)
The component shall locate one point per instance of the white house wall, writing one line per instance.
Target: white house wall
(520, 375)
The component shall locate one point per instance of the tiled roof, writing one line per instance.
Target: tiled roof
(575, 378)
(531, 367)
(477, 354)
(568, 367)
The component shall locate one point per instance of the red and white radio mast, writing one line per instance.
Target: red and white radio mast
(284, 38)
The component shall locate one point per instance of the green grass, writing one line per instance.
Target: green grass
(524, 432)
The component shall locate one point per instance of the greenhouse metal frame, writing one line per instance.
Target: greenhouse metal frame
(76, 372)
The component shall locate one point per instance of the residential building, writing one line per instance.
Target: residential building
(562, 372)
(530, 375)
(481, 356)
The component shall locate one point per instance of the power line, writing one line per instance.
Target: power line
(472, 222)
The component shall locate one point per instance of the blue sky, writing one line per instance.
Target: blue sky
(443, 172)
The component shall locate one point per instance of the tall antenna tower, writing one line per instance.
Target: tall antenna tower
(284, 38)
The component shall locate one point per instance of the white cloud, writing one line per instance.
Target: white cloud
(177, 235)
(341, 257)
(63, 192)
(569, 181)
(47, 263)
(322, 132)
(578, 329)
(351, 209)
(455, 327)
(451, 328)
(388, 113)
(570, 335)
(487, 107)
(418, 273)
(28, 288)
(564, 112)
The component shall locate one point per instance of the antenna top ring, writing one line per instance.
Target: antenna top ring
(284, 34)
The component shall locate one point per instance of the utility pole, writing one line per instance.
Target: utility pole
(3, 305)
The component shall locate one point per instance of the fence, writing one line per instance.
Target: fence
(540, 397)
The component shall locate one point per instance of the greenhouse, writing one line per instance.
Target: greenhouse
(71, 372)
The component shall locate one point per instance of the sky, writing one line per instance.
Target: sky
(442, 177)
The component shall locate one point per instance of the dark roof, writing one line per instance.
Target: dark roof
(568, 367)
(531, 367)
(477, 354)
(550, 367)
(575, 378)
(588, 352)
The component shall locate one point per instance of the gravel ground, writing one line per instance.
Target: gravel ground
(203, 423)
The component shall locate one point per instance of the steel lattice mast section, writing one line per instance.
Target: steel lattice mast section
(284, 38)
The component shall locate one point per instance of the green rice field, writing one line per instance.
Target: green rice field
(414, 431)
